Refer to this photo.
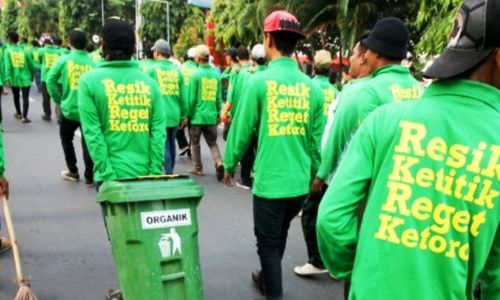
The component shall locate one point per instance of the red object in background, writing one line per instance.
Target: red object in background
(210, 38)
(336, 62)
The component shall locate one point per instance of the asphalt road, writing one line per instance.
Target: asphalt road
(63, 241)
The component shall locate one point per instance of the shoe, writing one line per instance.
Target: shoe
(18, 116)
(25, 120)
(243, 185)
(89, 183)
(308, 269)
(46, 118)
(70, 176)
(219, 171)
(257, 280)
(114, 295)
(183, 151)
(5, 245)
(197, 173)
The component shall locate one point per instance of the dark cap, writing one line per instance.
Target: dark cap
(232, 52)
(118, 35)
(281, 20)
(389, 37)
(162, 46)
(475, 34)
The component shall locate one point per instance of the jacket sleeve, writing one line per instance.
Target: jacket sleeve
(241, 130)
(8, 66)
(337, 222)
(53, 78)
(490, 280)
(182, 95)
(91, 125)
(158, 133)
(318, 126)
(218, 102)
(193, 95)
(344, 125)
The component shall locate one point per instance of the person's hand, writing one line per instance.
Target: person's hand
(316, 186)
(184, 123)
(4, 187)
(228, 179)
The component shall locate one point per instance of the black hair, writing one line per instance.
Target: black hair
(57, 41)
(13, 36)
(261, 61)
(35, 43)
(321, 71)
(285, 42)
(24, 39)
(242, 53)
(78, 39)
(233, 54)
(147, 51)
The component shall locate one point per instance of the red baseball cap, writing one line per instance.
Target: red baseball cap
(281, 20)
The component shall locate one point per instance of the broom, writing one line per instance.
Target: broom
(24, 292)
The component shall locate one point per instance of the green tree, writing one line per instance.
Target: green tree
(191, 34)
(124, 9)
(81, 14)
(37, 17)
(154, 19)
(9, 17)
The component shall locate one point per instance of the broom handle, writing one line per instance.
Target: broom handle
(12, 234)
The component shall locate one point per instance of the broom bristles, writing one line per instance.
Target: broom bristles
(25, 292)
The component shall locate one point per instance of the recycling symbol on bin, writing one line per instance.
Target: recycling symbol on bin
(170, 244)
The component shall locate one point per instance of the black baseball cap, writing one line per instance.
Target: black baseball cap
(475, 34)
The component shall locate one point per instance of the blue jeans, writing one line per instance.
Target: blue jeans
(170, 150)
(272, 219)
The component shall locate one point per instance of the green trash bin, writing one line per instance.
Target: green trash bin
(153, 228)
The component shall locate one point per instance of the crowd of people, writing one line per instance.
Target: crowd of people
(397, 184)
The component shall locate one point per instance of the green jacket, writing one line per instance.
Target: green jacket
(96, 56)
(234, 78)
(246, 73)
(428, 172)
(287, 113)
(357, 101)
(330, 92)
(188, 69)
(68, 69)
(205, 98)
(123, 121)
(19, 66)
(48, 56)
(170, 81)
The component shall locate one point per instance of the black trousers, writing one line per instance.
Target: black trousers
(272, 219)
(247, 162)
(181, 139)
(1, 116)
(67, 130)
(16, 93)
(308, 219)
(47, 111)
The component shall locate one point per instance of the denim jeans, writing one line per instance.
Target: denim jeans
(272, 219)
(309, 217)
(170, 150)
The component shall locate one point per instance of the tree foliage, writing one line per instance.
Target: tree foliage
(9, 17)
(191, 34)
(81, 14)
(37, 17)
(154, 22)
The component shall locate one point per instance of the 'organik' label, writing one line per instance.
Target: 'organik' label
(165, 218)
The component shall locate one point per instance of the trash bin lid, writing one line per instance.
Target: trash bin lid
(150, 188)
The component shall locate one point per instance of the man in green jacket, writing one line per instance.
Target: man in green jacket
(386, 46)
(121, 111)
(48, 56)
(188, 68)
(5, 243)
(170, 81)
(203, 108)
(285, 107)
(428, 172)
(314, 265)
(68, 69)
(19, 70)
